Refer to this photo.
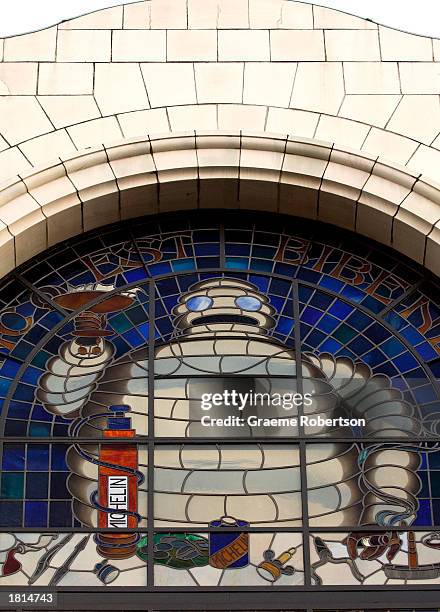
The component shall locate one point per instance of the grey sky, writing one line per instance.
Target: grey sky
(421, 16)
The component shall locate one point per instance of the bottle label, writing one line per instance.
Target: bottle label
(117, 500)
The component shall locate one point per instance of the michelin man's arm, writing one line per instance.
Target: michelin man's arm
(72, 376)
(386, 469)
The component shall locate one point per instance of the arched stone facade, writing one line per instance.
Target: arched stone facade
(244, 75)
(270, 106)
(201, 170)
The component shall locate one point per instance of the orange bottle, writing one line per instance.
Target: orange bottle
(118, 487)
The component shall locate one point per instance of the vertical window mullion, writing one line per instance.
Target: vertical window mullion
(150, 466)
(302, 444)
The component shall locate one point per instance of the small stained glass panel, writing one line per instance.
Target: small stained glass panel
(363, 558)
(259, 485)
(66, 560)
(228, 559)
(75, 485)
(47, 397)
(385, 484)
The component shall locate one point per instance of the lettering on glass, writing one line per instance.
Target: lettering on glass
(425, 321)
(382, 285)
(117, 500)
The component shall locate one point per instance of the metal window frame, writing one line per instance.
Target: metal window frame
(156, 598)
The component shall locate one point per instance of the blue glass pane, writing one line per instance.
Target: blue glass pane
(38, 457)
(13, 457)
(37, 485)
(11, 514)
(60, 514)
(35, 513)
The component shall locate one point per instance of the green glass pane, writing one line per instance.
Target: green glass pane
(120, 323)
(39, 430)
(12, 486)
(345, 333)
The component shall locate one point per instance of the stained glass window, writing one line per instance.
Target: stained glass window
(110, 345)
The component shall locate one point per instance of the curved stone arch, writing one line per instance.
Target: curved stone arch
(370, 138)
(274, 173)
